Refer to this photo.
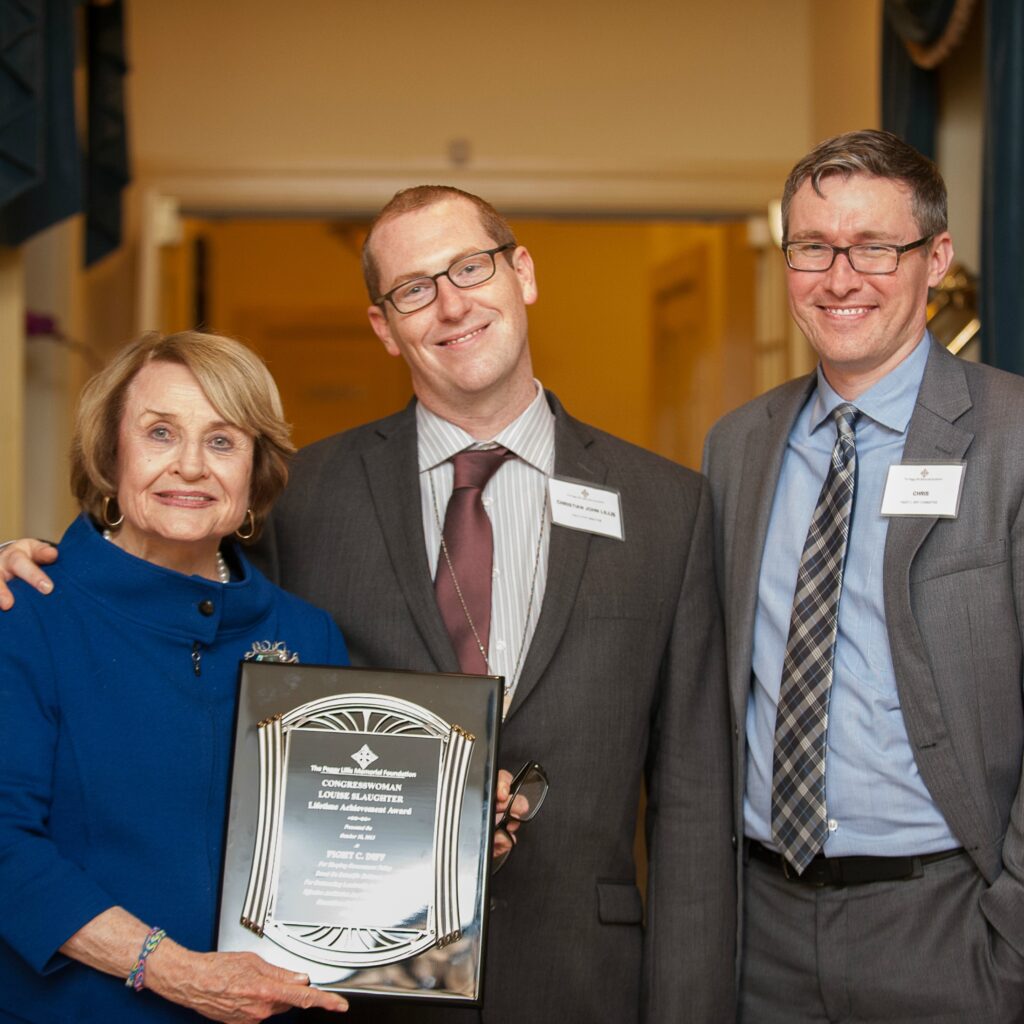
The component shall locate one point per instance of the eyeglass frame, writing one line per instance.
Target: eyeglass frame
(844, 250)
(432, 278)
(515, 785)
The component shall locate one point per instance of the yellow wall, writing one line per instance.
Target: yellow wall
(590, 328)
(844, 82)
(323, 84)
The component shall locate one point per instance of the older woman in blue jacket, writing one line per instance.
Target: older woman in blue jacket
(118, 697)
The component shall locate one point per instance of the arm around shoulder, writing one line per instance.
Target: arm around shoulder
(20, 559)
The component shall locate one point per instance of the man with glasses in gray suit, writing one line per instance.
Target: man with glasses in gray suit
(869, 536)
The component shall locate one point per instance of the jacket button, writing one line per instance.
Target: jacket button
(206, 607)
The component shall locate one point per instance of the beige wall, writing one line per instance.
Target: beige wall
(55, 371)
(12, 400)
(601, 85)
(844, 67)
(669, 106)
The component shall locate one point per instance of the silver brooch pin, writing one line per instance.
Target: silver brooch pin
(271, 650)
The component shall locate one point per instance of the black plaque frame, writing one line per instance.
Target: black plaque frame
(437, 953)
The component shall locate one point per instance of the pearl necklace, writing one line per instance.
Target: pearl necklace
(223, 572)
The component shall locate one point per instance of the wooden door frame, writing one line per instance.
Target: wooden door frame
(724, 188)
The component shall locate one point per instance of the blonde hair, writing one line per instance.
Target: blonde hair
(233, 378)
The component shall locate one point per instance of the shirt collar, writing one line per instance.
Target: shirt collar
(890, 402)
(530, 436)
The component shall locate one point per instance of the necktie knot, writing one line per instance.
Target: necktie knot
(475, 466)
(845, 416)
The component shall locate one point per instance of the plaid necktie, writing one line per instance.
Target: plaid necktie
(462, 584)
(799, 825)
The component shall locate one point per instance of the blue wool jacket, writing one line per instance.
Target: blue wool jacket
(117, 699)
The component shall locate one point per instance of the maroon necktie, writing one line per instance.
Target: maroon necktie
(463, 580)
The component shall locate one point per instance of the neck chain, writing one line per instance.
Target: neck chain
(469, 618)
(223, 572)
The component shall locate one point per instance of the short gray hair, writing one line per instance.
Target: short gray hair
(882, 155)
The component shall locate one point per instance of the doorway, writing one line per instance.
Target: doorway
(650, 329)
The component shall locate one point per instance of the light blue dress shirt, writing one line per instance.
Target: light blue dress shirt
(876, 802)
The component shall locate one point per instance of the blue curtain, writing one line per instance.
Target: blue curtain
(1002, 229)
(106, 169)
(41, 153)
(910, 95)
(44, 176)
(21, 96)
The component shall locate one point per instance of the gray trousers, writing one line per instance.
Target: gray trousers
(911, 951)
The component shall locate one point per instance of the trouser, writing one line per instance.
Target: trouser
(917, 951)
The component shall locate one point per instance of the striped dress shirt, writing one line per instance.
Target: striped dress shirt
(515, 499)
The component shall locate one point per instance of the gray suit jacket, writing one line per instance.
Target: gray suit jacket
(954, 601)
(624, 676)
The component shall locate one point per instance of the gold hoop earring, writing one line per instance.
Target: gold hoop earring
(252, 527)
(111, 524)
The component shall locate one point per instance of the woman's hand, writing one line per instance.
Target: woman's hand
(239, 988)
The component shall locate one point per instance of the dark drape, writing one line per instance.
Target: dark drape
(44, 176)
(106, 170)
(21, 96)
(42, 89)
(910, 95)
(1002, 229)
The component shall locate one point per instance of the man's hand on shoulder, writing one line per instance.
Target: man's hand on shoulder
(20, 559)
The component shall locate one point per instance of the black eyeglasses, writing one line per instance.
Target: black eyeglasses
(530, 783)
(866, 258)
(465, 272)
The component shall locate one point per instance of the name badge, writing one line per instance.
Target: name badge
(924, 489)
(582, 506)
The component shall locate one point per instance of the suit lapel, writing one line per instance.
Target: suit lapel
(764, 448)
(932, 436)
(390, 466)
(567, 554)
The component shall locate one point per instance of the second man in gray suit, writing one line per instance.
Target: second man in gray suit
(610, 647)
(869, 539)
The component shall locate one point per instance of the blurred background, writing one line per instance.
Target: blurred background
(238, 148)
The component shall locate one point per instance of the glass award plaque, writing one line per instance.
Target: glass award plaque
(360, 825)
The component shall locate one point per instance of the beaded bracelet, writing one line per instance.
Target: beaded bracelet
(137, 977)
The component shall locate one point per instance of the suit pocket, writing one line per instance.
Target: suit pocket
(619, 903)
(931, 568)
